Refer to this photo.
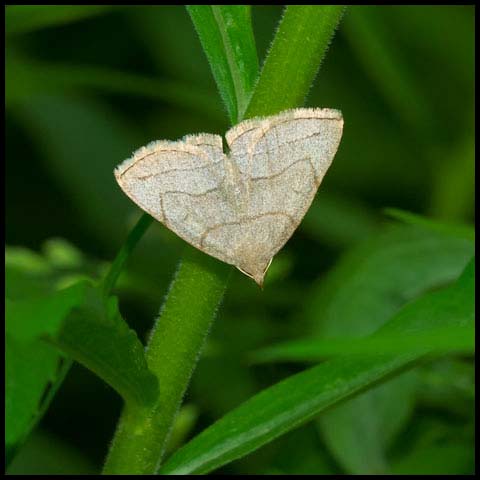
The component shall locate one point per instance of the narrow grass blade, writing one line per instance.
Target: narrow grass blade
(300, 397)
(227, 39)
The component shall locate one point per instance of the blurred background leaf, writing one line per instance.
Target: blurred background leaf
(372, 282)
(26, 18)
(77, 319)
(87, 85)
(34, 370)
(293, 401)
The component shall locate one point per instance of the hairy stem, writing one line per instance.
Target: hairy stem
(172, 352)
(200, 282)
(294, 58)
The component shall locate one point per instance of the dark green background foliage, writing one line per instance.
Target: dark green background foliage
(86, 86)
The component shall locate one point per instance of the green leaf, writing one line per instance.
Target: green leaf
(377, 279)
(26, 272)
(26, 18)
(227, 39)
(451, 306)
(21, 316)
(294, 59)
(89, 328)
(302, 396)
(77, 319)
(365, 289)
(453, 229)
(59, 265)
(33, 370)
(63, 255)
(440, 340)
(372, 281)
(33, 374)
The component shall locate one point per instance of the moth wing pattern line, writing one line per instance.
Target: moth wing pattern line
(240, 207)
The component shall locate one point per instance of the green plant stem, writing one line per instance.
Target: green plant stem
(295, 56)
(199, 285)
(133, 238)
(172, 352)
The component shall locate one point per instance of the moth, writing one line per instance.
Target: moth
(242, 206)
